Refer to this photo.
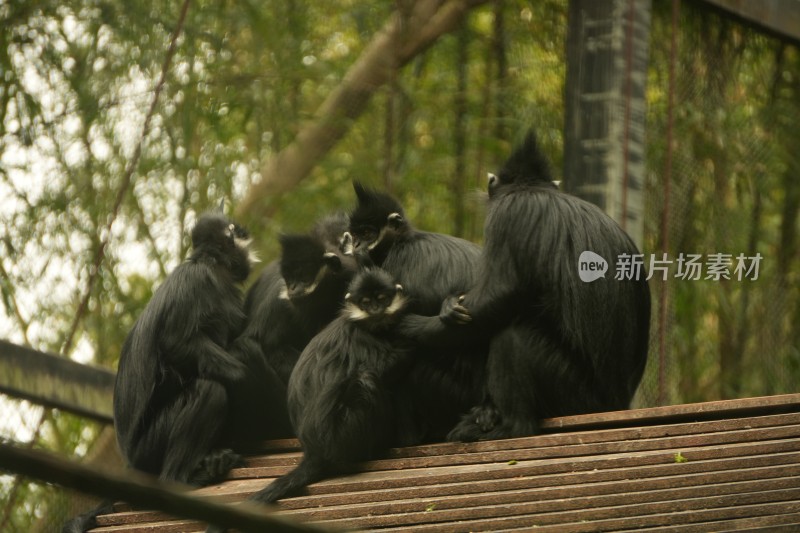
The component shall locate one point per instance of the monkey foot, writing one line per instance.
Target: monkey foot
(483, 422)
(215, 467)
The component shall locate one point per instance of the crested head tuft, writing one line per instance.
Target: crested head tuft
(526, 164)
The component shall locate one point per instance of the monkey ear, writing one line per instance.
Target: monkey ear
(346, 244)
(347, 297)
(398, 288)
(395, 220)
(332, 260)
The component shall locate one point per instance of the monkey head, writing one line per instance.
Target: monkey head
(305, 264)
(374, 299)
(377, 222)
(224, 242)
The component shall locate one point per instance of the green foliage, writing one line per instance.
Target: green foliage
(735, 110)
(77, 77)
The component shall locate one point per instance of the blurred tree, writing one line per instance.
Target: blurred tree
(249, 81)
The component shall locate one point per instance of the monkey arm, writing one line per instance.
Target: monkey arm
(215, 362)
(195, 351)
(464, 319)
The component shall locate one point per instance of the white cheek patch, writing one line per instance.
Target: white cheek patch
(317, 280)
(284, 294)
(354, 313)
(378, 240)
(398, 303)
(244, 244)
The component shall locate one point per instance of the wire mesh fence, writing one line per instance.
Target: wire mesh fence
(723, 155)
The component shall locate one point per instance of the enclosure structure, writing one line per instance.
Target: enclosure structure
(720, 150)
(728, 465)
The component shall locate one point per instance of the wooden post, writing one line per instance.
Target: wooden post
(607, 55)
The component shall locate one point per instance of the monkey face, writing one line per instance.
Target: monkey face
(373, 298)
(226, 241)
(305, 264)
(377, 221)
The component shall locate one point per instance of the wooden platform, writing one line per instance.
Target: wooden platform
(718, 466)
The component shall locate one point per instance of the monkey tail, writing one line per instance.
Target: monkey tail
(291, 484)
(87, 520)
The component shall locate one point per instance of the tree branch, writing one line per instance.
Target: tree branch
(400, 40)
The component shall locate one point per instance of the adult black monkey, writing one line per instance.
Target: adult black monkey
(443, 383)
(560, 346)
(177, 387)
(295, 297)
(171, 398)
(430, 266)
(341, 397)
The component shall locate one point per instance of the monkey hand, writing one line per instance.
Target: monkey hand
(223, 367)
(453, 311)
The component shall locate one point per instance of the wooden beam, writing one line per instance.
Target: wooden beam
(140, 489)
(777, 16)
(56, 382)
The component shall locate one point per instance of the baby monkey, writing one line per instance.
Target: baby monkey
(341, 392)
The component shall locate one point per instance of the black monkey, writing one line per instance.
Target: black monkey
(171, 398)
(177, 387)
(341, 399)
(444, 382)
(295, 297)
(560, 346)
(430, 266)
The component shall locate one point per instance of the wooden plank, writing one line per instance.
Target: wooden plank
(575, 485)
(566, 484)
(56, 382)
(281, 465)
(781, 17)
(172, 526)
(775, 524)
(708, 458)
(142, 489)
(514, 490)
(742, 466)
(572, 444)
(685, 412)
(541, 500)
(667, 416)
(562, 439)
(697, 471)
(600, 435)
(638, 518)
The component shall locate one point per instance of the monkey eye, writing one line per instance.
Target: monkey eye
(382, 297)
(367, 234)
(365, 302)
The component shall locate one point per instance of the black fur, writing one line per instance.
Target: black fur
(443, 382)
(87, 520)
(341, 391)
(283, 314)
(171, 398)
(560, 346)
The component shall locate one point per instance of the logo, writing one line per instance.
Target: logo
(591, 266)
